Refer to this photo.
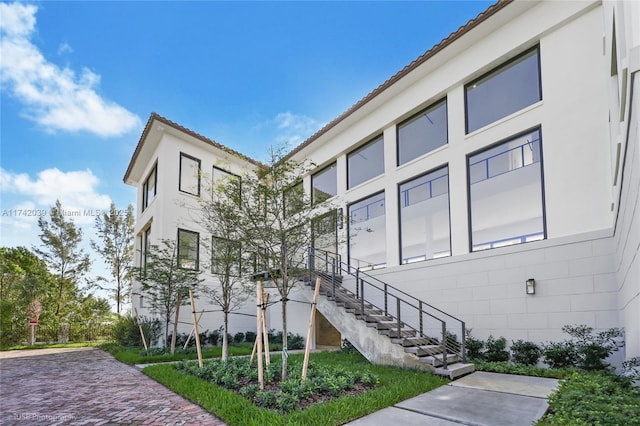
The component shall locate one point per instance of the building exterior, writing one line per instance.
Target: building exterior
(510, 151)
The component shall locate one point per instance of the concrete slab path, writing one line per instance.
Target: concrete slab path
(87, 386)
(478, 399)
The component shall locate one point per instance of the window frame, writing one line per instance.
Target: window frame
(433, 170)
(431, 107)
(145, 187)
(286, 196)
(197, 260)
(497, 70)
(349, 225)
(230, 242)
(186, 190)
(370, 142)
(334, 166)
(537, 128)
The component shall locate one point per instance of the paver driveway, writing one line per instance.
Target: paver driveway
(86, 386)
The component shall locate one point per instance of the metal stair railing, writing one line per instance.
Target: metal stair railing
(409, 314)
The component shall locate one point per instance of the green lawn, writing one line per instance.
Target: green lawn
(133, 356)
(395, 385)
(51, 345)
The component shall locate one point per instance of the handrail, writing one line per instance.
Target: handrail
(419, 311)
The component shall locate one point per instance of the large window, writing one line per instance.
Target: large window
(503, 91)
(367, 233)
(424, 217)
(145, 244)
(188, 249)
(149, 187)
(365, 162)
(423, 132)
(324, 184)
(325, 232)
(189, 174)
(506, 193)
(220, 179)
(293, 199)
(226, 257)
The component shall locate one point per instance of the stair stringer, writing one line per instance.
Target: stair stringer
(376, 348)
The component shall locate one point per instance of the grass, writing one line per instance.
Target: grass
(395, 385)
(51, 345)
(133, 356)
(506, 367)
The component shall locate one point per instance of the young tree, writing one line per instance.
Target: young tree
(220, 217)
(60, 249)
(163, 279)
(272, 223)
(116, 246)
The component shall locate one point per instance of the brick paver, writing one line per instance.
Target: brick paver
(86, 386)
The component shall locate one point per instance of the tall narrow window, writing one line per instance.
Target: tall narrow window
(325, 232)
(189, 174)
(293, 199)
(424, 217)
(220, 179)
(226, 257)
(423, 132)
(367, 233)
(324, 184)
(506, 193)
(145, 244)
(503, 91)
(365, 162)
(188, 249)
(149, 187)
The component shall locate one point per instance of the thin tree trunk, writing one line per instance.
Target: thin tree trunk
(174, 336)
(284, 340)
(225, 338)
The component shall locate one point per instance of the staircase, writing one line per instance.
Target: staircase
(383, 323)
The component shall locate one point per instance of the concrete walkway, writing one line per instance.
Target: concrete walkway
(478, 399)
(86, 386)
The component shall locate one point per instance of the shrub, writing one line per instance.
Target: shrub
(348, 347)
(593, 349)
(631, 368)
(559, 354)
(238, 338)
(594, 398)
(526, 353)
(126, 331)
(250, 336)
(214, 337)
(295, 341)
(496, 349)
(474, 347)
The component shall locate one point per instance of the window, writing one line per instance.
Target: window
(365, 163)
(367, 233)
(220, 178)
(324, 232)
(506, 193)
(293, 199)
(188, 249)
(226, 257)
(423, 132)
(145, 244)
(149, 187)
(189, 174)
(424, 217)
(324, 184)
(507, 89)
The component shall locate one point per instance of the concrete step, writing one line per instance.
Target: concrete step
(437, 360)
(416, 341)
(394, 333)
(453, 371)
(421, 351)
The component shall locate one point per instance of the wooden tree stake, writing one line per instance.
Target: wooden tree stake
(265, 334)
(259, 337)
(195, 326)
(307, 348)
(144, 341)
(175, 325)
(192, 330)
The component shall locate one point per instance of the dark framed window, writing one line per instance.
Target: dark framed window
(220, 178)
(145, 244)
(226, 257)
(504, 90)
(365, 162)
(367, 233)
(324, 184)
(189, 181)
(188, 249)
(293, 199)
(425, 231)
(506, 193)
(325, 232)
(423, 132)
(149, 187)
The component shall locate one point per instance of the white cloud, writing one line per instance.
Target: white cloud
(64, 48)
(295, 128)
(76, 190)
(54, 97)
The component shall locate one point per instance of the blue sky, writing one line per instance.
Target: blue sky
(79, 80)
